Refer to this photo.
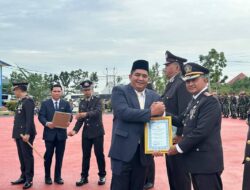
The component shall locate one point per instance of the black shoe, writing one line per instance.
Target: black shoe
(19, 181)
(82, 181)
(101, 181)
(59, 181)
(148, 186)
(48, 181)
(27, 185)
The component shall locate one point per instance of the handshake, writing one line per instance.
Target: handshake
(157, 109)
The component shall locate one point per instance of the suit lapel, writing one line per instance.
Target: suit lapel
(52, 105)
(148, 99)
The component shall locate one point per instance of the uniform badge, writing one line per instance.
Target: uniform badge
(192, 112)
(188, 69)
(19, 107)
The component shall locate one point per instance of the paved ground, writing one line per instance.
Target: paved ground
(233, 133)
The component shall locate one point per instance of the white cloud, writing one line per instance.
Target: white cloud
(93, 35)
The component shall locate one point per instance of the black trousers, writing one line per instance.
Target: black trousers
(150, 173)
(132, 176)
(98, 148)
(246, 176)
(58, 147)
(178, 177)
(26, 158)
(207, 181)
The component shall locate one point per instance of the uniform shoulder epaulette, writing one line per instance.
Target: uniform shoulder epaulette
(208, 94)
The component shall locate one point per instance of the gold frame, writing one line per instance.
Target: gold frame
(146, 132)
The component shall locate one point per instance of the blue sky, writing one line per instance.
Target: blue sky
(53, 36)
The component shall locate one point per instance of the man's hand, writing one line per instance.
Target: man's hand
(68, 124)
(50, 125)
(81, 115)
(71, 133)
(25, 137)
(157, 154)
(177, 139)
(157, 108)
(172, 151)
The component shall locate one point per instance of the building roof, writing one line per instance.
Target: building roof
(4, 64)
(237, 78)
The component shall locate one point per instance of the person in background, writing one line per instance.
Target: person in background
(90, 117)
(176, 98)
(55, 138)
(24, 132)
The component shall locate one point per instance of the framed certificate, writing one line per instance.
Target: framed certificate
(158, 135)
(61, 119)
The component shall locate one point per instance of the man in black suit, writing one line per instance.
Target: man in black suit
(24, 131)
(55, 138)
(176, 98)
(90, 113)
(201, 145)
(133, 106)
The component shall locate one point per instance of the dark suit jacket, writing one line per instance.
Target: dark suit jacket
(176, 98)
(246, 161)
(46, 114)
(93, 126)
(24, 118)
(201, 142)
(128, 124)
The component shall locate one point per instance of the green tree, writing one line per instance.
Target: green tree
(215, 62)
(94, 78)
(157, 78)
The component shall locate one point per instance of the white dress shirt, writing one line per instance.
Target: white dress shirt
(141, 98)
(54, 103)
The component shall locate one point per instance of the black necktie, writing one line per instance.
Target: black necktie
(56, 105)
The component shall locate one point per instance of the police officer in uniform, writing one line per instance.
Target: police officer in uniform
(226, 106)
(246, 162)
(23, 132)
(201, 145)
(233, 106)
(242, 105)
(90, 113)
(176, 98)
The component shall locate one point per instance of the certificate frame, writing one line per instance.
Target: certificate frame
(60, 119)
(149, 147)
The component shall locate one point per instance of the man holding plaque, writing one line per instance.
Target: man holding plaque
(90, 118)
(133, 106)
(201, 145)
(54, 136)
(176, 98)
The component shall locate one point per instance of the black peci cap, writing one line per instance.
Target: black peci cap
(140, 64)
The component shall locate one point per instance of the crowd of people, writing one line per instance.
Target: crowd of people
(235, 106)
(194, 156)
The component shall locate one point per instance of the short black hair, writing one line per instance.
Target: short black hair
(22, 88)
(55, 85)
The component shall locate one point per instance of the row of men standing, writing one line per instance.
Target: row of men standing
(89, 116)
(235, 106)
